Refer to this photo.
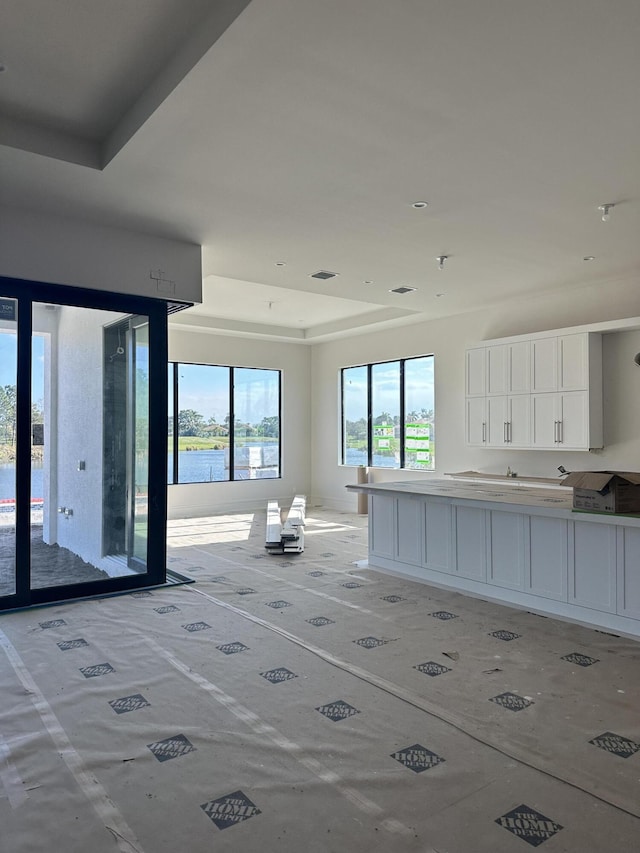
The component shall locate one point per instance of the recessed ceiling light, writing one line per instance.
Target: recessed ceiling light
(367, 281)
(323, 274)
(402, 290)
(420, 205)
(438, 295)
(280, 264)
(588, 258)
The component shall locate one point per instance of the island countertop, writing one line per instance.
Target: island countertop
(556, 499)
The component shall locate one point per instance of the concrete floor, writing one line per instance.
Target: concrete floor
(288, 703)
(51, 565)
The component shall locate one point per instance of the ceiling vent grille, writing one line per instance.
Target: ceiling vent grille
(323, 274)
(402, 290)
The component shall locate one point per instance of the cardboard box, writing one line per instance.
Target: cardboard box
(605, 491)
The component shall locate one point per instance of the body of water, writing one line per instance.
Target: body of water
(196, 466)
(208, 466)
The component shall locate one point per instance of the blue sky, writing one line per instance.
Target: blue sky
(419, 388)
(8, 342)
(205, 388)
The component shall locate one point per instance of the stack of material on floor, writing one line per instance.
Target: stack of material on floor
(288, 537)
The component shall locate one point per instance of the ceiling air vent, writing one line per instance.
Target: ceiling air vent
(402, 290)
(323, 274)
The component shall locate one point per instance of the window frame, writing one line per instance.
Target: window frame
(370, 417)
(174, 461)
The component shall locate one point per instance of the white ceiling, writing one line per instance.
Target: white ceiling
(301, 131)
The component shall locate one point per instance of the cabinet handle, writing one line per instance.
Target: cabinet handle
(560, 432)
(509, 436)
(484, 432)
(556, 432)
(505, 432)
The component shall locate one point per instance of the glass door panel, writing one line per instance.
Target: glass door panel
(8, 399)
(86, 496)
(139, 441)
(82, 479)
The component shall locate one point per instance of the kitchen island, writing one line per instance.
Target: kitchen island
(519, 544)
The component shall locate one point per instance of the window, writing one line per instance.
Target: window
(228, 423)
(388, 414)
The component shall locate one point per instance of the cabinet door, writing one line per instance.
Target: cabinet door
(573, 362)
(471, 542)
(506, 549)
(409, 531)
(519, 368)
(544, 364)
(519, 420)
(544, 419)
(629, 572)
(592, 566)
(437, 535)
(497, 369)
(574, 420)
(547, 570)
(476, 425)
(381, 526)
(476, 372)
(497, 421)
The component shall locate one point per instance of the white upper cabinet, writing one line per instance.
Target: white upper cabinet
(573, 362)
(519, 366)
(539, 392)
(476, 372)
(508, 369)
(508, 421)
(544, 365)
(561, 421)
(476, 421)
(562, 363)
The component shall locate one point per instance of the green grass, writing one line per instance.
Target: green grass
(217, 442)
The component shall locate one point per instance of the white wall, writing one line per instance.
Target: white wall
(198, 499)
(447, 339)
(77, 431)
(56, 250)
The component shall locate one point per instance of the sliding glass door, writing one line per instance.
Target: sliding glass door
(8, 380)
(82, 478)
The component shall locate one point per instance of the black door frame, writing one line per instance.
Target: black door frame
(26, 293)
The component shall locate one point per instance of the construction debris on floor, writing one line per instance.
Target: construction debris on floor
(287, 538)
(310, 703)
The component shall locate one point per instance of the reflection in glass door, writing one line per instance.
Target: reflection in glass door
(126, 444)
(138, 438)
(8, 399)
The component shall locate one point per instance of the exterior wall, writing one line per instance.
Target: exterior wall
(198, 499)
(65, 251)
(76, 432)
(447, 339)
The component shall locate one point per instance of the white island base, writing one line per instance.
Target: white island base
(516, 544)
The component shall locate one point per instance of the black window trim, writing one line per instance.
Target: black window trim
(176, 409)
(369, 366)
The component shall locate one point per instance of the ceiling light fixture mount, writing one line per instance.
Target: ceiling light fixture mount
(441, 261)
(420, 205)
(604, 209)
